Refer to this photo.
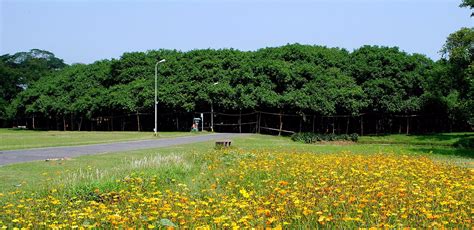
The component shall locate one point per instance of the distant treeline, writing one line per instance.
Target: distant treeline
(291, 79)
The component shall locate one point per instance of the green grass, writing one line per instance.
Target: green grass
(182, 162)
(442, 139)
(23, 139)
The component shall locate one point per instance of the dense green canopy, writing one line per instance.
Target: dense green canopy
(292, 78)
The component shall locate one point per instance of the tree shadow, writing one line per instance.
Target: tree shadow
(448, 151)
(443, 137)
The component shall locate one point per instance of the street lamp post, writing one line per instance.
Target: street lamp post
(156, 97)
(212, 117)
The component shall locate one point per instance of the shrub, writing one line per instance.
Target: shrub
(309, 138)
(354, 137)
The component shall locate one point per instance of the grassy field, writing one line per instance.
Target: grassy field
(24, 139)
(262, 181)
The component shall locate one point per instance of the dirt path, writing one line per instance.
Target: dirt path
(24, 155)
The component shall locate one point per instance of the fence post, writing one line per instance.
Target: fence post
(256, 124)
(281, 125)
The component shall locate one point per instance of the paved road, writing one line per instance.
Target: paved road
(24, 155)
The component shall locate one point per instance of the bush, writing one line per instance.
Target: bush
(318, 137)
(354, 137)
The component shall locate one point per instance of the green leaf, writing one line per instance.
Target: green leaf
(168, 223)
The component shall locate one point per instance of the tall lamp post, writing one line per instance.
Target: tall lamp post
(212, 111)
(156, 97)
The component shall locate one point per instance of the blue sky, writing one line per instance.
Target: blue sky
(86, 31)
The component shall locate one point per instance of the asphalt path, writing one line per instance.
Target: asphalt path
(53, 153)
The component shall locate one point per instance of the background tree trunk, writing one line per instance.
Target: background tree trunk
(138, 122)
(347, 126)
(80, 123)
(240, 121)
(408, 125)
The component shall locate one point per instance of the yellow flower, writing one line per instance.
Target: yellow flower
(244, 193)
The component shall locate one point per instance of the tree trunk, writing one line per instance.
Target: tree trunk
(361, 125)
(314, 121)
(333, 125)
(72, 122)
(376, 126)
(80, 124)
(112, 121)
(240, 121)
(301, 123)
(408, 125)
(138, 122)
(33, 122)
(322, 125)
(64, 123)
(177, 123)
(400, 126)
(347, 126)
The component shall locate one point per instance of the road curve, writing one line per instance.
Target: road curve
(25, 155)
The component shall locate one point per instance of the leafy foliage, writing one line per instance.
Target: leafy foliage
(296, 78)
(311, 138)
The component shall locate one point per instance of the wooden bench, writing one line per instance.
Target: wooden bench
(223, 143)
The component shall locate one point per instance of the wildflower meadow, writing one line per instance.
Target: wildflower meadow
(264, 189)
